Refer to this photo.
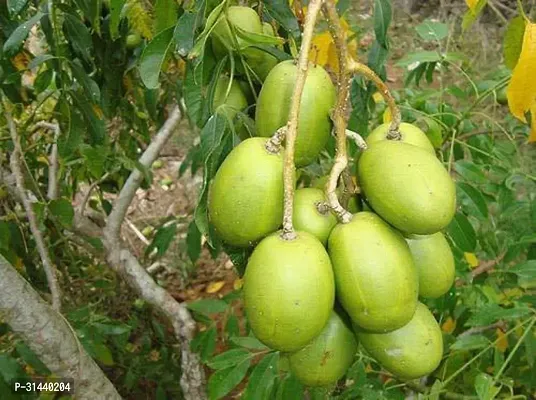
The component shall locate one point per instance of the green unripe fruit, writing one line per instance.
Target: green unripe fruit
(307, 216)
(268, 29)
(133, 40)
(246, 197)
(244, 18)
(407, 186)
(410, 134)
(376, 279)
(502, 98)
(328, 356)
(410, 352)
(435, 263)
(260, 61)
(233, 101)
(318, 98)
(288, 290)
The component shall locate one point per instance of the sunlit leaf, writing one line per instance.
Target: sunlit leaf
(208, 306)
(471, 342)
(471, 259)
(224, 380)
(431, 30)
(522, 88)
(153, 57)
(165, 12)
(262, 378)
(382, 18)
(485, 388)
(462, 233)
(17, 38)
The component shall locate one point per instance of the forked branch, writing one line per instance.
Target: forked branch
(15, 163)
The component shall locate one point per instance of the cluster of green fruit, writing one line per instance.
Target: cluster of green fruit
(316, 296)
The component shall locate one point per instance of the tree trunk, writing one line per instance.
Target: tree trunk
(50, 336)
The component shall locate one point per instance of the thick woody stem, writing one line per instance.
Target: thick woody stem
(292, 125)
(357, 67)
(15, 163)
(339, 113)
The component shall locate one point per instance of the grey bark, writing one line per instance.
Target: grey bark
(50, 336)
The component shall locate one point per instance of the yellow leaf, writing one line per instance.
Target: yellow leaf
(42, 159)
(521, 91)
(532, 137)
(471, 4)
(20, 61)
(319, 53)
(378, 98)
(238, 284)
(449, 325)
(502, 341)
(215, 287)
(471, 259)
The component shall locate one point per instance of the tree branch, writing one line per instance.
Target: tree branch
(50, 270)
(129, 268)
(50, 336)
(121, 204)
(52, 192)
(340, 112)
(359, 68)
(292, 125)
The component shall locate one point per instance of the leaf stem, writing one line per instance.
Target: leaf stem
(292, 125)
(339, 114)
(513, 351)
(359, 68)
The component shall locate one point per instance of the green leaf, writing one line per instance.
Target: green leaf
(205, 343)
(37, 61)
(103, 354)
(208, 306)
(249, 342)
(262, 378)
(31, 358)
(95, 159)
(43, 80)
(470, 171)
(419, 57)
(78, 37)
(471, 15)
(434, 132)
(224, 380)
(462, 233)
(492, 312)
(112, 329)
(474, 196)
(290, 389)
(10, 369)
(14, 7)
(281, 12)
(153, 57)
(432, 31)
(17, 38)
(89, 85)
(97, 128)
(229, 359)
(485, 388)
(184, 33)
(165, 14)
(91, 10)
(116, 6)
(253, 39)
(193, 92)
(193, 242)
(526, 270)
(63, 210)
(470, 342)
(162, 239)
(199, 45)
(382, 20)
(513, 41)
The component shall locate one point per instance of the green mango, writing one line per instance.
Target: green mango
(306, 216)
(410, 352)
(328, 356)
(133, 40)
(407, 186)
(410, 134)
(288, 291)
(246, 196)
(233, 101)
(245, 18)
(318, 98)
(375, 276)
(435, 263)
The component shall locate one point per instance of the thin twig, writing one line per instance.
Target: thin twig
(357, 67)
(52, 192)
(340, 112)
(292, 125)
(50, 270)
(137, 232)
(357, 138)
(87, 196)
(485, 266)
(479, 329)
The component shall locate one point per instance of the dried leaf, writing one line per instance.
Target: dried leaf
(449, 325)
(215, 287)
(521, 91)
